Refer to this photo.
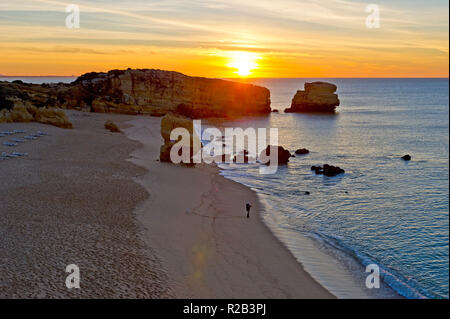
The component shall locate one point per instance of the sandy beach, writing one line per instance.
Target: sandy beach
(71, 201)
(136, 227)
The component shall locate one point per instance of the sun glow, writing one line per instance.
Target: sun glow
(243, 62)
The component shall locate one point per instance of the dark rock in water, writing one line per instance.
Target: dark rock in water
(282, 154)
(302, 151)
(275, 111)
(330, 170)
(307, 193)
(327, 170)
(317, 97)
(406, 157)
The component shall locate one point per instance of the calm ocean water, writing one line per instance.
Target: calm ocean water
(39, 79)
(382, 210)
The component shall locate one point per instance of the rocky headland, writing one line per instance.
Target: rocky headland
(142, 91)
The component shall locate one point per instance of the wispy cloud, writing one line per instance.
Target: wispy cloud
(293, 30)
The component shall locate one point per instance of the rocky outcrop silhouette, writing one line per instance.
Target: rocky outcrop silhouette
(302, 151)
(282, 154)
(317, 97)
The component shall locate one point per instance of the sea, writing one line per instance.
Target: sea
(383, 211)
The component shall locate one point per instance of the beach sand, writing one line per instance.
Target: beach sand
(137, 228)
(196, 222)
(71, 201)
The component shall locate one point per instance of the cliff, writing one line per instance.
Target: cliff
(317, 97)
(152, 92)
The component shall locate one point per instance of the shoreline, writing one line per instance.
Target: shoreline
(207, 246)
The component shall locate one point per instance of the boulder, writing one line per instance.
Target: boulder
(302, 151)
(52, 116)
(110, 125)
(406, 157)
(282, 154)
(327, 170)
(316, 97)
(19, 113)
(29, 113)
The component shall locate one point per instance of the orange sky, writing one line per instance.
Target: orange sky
(218, 38)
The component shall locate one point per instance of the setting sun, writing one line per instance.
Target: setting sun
(243, 62)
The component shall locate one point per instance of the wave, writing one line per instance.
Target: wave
(406, 287)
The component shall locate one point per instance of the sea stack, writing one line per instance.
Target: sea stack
(317, 97)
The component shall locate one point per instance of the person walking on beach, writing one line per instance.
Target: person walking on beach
(248, 206)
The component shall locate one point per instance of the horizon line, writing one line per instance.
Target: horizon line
(250, 78)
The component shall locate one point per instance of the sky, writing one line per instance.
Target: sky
(227, 38)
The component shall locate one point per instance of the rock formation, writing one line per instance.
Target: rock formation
(110, 125)
(168, 123)
(53, 117)
(152, 92)
(282, 154)
(29, 113)
(317, 97)
(302, 151)
(327, 170)
(406, 157)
